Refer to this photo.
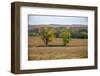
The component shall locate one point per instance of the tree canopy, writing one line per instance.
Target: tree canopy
(47, 34)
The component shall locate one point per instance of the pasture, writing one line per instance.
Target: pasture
(75, 49)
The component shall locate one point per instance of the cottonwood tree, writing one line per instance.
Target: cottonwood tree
(66, 36)
(47, 34)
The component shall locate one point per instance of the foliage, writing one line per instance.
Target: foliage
(47, 34)
(66, 36)
(75, 34)
(32, 34)
(83, 30)
(83, 35)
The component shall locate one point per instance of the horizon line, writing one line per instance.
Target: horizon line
(57, 24)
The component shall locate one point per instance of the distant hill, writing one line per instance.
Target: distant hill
(35, 28)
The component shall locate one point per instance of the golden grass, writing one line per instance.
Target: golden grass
(76, 48)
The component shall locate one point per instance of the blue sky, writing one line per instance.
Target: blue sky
(41, 19)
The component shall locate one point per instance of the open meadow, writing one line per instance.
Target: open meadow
(75, 49)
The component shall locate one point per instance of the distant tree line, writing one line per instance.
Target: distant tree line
(80, 34)
(47, 34)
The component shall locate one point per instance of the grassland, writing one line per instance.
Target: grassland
(75, 49)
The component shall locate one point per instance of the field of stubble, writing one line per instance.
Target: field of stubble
(75, 49)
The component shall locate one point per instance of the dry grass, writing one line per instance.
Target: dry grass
(77, 48)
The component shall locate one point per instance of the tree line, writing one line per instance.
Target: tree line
(47, 34)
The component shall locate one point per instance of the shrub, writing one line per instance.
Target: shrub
(83, 35)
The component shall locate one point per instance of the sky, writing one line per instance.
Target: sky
(63, 20)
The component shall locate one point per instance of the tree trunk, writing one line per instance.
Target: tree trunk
(46, 42)
(64, 44)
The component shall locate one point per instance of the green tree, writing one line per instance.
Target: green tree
(83, 35)
(47, 34)
(66, 36)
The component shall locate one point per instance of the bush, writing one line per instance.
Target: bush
(83, 35)
(32, 34)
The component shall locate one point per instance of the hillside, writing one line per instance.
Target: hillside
(73, 26)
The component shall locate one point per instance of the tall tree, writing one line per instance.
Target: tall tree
(47, 34)
(66, 36)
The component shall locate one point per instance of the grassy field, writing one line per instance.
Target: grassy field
(75, 49)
